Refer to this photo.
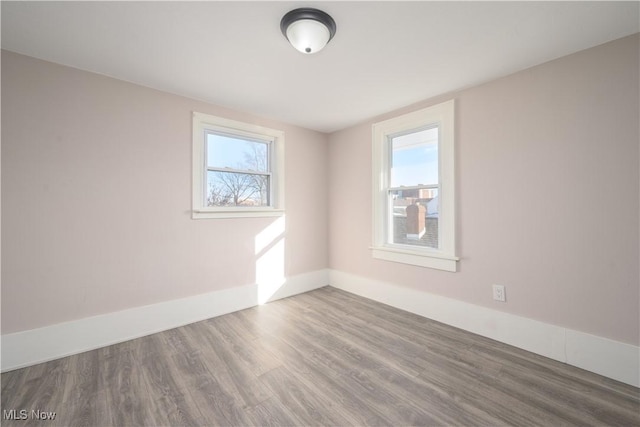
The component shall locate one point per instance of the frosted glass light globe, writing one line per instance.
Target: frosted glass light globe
(308, 35)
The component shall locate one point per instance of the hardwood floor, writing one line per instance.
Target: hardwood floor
(326, 357)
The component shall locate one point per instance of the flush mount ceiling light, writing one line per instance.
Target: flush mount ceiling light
(307, 29)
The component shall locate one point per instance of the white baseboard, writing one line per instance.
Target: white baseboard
(612, 359)
(34, 346)
(603, 356)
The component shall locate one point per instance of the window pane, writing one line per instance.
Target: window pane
(414, 158)
(237, 189)
(236, 153)
(415, 217)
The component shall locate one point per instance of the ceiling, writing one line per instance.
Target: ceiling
(385, 55)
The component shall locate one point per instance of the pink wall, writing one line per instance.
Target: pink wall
(96, 197)
(547, 195)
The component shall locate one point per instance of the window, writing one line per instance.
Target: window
(413, 188)
(238, 169)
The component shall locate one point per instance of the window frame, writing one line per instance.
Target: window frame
(204, 124)
(443, 258)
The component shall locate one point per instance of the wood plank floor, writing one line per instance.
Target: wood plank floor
(327, 358)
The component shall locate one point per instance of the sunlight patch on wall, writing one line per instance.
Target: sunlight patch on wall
(270, 244)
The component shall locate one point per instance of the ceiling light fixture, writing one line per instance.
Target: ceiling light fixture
(308, 30)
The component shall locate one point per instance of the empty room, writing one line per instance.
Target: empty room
(280, 213)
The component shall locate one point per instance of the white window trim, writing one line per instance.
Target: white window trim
(202, 123)
(443, 258)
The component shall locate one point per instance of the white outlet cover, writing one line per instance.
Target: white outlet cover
(499, 293)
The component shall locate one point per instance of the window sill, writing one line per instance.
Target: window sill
(235, 213)
(434, 260)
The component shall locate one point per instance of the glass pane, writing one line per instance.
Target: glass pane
(237, 189)
(236, 153)
(414, 158)
(415, 217)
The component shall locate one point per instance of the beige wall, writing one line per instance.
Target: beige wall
(96, 184)
(96, 197)
(547, 195)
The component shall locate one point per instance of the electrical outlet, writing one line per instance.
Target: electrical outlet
(499, 293)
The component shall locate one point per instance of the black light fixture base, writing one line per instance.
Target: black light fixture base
(308, 13)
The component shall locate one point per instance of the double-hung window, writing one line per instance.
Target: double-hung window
(413, 188)
(238, 169)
